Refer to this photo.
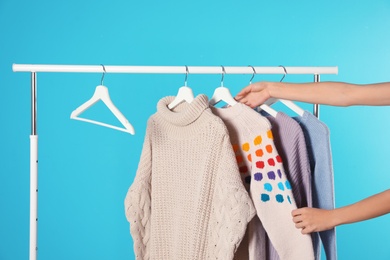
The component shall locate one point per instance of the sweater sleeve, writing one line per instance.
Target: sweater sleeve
(138, 202)
(232, 207)
(273, 198)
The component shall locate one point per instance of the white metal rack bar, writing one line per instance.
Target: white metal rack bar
(172, 69)
(35, 68)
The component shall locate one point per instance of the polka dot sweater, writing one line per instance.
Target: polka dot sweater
(187, 200)
(262, 172)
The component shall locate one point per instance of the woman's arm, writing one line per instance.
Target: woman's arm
(328, 93)
(314, 220)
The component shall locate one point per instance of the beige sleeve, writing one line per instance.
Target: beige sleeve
(138, 202)
(232, 207)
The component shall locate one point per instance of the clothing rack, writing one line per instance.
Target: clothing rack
(35, 68)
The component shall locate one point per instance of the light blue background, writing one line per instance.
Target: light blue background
(85, 170)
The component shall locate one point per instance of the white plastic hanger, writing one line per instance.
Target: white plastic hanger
(222, 94)
(101, 93)
(272, 112)
(184, 94)
(294, 107)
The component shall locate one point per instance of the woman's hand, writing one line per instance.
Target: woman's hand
(254, 94)
(313, 219)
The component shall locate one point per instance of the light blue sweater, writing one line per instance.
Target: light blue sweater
(319, 150)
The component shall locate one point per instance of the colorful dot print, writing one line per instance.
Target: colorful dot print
(268, 186)
(271, 175)
(260, 164)
(268, 148)
(257, 140)
(269, 134)
(243, 169)
(258, 176)
(243, 166)
(239, 159)
(260, 153)
(281, 186)
(264, 197)
(279, 198)
(267, 158)
(271, 162)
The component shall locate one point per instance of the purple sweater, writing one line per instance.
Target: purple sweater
(290, 142)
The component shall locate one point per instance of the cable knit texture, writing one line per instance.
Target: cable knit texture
(317, 137)
(262, 171)
(187, 200)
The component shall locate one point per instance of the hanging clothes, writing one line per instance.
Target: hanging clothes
(262, 171)
(317, 137)
(187, 200)
(291, 145)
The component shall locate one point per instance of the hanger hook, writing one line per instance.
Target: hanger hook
(104, 72)
(223, 75)
(253, 75)
(187, 72)
(285, 72)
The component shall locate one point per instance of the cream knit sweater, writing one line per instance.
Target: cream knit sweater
(263, 173)
(187, 200)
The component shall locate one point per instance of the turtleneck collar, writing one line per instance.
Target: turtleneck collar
(183, 114)
(186, 120)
